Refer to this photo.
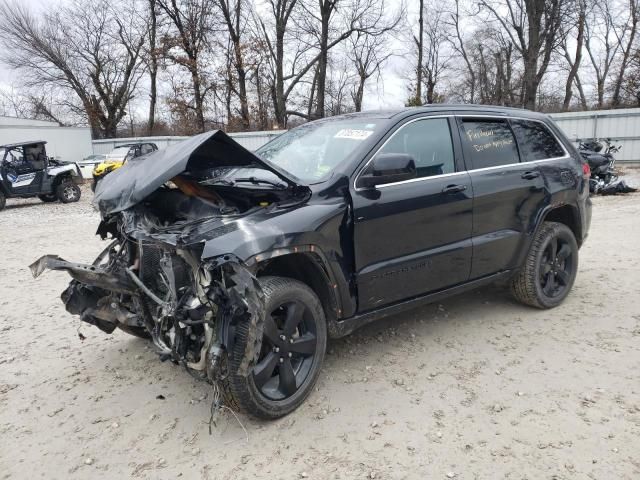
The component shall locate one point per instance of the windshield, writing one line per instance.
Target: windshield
(314, 150)
(118, 153)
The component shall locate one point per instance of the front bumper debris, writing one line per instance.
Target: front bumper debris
(192, 323)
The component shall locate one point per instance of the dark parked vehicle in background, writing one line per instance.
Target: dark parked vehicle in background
(239, 266)
(118, 156)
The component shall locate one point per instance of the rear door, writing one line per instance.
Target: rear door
(506, 193)
(413, 237)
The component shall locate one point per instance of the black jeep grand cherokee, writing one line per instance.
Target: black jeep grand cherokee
(238, 266)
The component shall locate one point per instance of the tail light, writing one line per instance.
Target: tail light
(586, 171)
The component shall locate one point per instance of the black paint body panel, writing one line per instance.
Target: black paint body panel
(388, 247)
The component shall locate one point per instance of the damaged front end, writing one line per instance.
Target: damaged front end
(151, 281)
(188, 308)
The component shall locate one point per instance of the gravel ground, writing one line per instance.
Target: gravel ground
(477, 387)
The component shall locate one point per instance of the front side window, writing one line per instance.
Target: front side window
(428, 141)
(489, 142)
(535, 141)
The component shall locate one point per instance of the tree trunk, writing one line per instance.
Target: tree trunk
(279, 102)
(530, 82)
(312, 94)
(153, 68)
(326, 8)
(235, 35)
(358, 97)
(583, 98)
(197, 93)
(578, 58)
(420, 45)
(600, 89)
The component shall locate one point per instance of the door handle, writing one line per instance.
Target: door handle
(530, 175)
(454, 188)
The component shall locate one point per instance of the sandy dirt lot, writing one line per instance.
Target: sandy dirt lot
(477, 387)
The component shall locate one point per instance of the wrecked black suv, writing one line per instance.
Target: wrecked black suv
(239, 266)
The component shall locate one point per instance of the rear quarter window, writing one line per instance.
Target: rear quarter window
(535, 140)
(489, 143)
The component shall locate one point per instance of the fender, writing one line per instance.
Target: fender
(572, 221)
(333, 274)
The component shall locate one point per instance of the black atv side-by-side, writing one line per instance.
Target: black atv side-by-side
(26, 172)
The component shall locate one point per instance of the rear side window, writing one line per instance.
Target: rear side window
(490, 143)
(535, 141)
(428, 141)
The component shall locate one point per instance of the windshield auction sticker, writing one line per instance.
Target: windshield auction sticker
(353, 134)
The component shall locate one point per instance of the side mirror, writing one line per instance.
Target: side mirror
(388, 168)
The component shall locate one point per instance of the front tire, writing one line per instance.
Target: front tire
(550, 268)
(68, 192)
(291, 354)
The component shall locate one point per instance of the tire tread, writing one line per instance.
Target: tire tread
(235, 390)
(523, 285)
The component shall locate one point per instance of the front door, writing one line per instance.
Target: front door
(414, 237)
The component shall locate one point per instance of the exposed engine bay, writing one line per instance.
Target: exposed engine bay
(188, 308)
(152, 281)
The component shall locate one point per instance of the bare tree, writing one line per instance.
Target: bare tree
(534, 29)
(631, 85)
(330, 23)
(629, 30)
(600, 44)
(577, 23)
(185, 47)
(152, 65)
(88, 50)
(368, 53)
(275, 39)
(418, 41)
(30, 104)
(458, 43)
(233, 13)
(435, 63)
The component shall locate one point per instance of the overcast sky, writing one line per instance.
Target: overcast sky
(390, 92)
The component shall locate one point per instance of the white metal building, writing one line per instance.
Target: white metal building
(249, 140)
(69, 144)
(621, 126)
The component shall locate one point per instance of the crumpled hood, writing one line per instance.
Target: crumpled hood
(139, 177)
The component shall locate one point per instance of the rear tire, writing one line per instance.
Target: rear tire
(3, 201)
(68, 192)
(48, 198)
(291, 354)
(550, 268)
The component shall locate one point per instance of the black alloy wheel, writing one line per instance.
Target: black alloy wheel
(556, 267)
(550, 268)
(291, 351)
(288, 349)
